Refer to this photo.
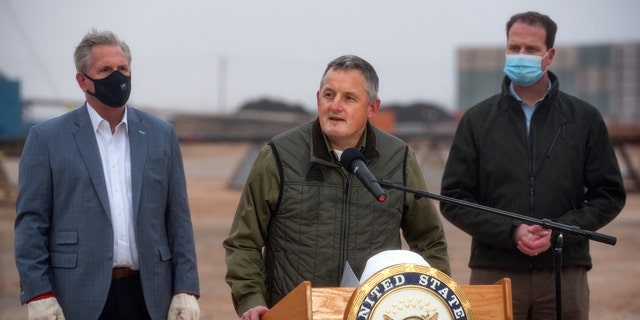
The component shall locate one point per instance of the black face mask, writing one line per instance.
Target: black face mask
(114, 90)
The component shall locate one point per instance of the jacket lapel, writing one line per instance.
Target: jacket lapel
(85, 139)
(138, 147)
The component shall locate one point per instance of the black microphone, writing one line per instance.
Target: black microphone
(353, 161)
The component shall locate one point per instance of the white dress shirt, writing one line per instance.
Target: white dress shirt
(116, 165)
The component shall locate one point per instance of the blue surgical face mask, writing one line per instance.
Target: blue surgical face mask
(524, 69)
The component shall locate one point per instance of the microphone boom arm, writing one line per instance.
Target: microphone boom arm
(548, 224)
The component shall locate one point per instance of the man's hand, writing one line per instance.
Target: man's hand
(254, 313)
(532, 240)
(184, 307)
(45, 309)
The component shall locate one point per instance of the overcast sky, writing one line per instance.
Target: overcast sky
(279, 49)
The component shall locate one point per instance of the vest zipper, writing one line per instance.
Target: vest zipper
(344, 222)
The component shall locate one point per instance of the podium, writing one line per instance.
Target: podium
(488, 302)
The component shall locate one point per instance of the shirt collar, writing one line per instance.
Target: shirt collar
(360, 146)
(96, 119)
(512, 90)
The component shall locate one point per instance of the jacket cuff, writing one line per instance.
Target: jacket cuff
(249, 302)
(42, 296)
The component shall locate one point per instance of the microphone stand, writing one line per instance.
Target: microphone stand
(557, 263)
(546, 223)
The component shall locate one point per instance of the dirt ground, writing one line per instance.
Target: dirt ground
(210, 167)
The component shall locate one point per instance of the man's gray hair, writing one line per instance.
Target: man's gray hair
(82, 54)
(352, 62)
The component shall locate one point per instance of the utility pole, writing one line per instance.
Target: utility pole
(222, 84)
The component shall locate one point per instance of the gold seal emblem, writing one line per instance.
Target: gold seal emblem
(409, 292)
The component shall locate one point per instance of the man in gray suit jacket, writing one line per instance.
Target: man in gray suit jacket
(103, 228)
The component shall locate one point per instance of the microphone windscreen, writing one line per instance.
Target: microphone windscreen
(348, 156)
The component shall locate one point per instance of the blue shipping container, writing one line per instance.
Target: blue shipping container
(10, 110)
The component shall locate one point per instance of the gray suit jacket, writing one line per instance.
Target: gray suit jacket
(63, 232)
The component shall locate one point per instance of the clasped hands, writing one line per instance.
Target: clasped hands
(532, 240)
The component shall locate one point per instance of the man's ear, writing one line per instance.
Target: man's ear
(82, 81)
(373, 108)
(551, 55)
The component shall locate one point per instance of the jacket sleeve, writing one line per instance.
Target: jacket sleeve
(243, 246)
(421, 225)
(180, 226)
(33, 209)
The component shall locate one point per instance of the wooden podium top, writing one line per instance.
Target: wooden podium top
(488, 302)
